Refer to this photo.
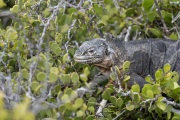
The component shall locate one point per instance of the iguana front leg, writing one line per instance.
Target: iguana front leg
(92, 86)
(135, 78)
(98, 80)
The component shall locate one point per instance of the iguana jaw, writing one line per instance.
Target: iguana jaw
(87, 59)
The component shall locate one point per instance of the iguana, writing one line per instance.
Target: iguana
(146, 56)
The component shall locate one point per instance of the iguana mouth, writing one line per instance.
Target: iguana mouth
(90, 60)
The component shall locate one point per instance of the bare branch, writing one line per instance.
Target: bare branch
(119, 115)
(160, 15)
(175, 18)
(171, 103)
(102, 105)
(127, 34)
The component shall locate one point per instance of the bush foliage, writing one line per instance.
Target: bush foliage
(39, 78)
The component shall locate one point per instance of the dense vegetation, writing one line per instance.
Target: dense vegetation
(39, 79)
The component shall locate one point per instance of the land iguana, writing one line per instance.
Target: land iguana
(146, 56)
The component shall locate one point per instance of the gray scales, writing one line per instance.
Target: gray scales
(146, 56)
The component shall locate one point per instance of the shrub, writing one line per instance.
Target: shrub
(40, 79)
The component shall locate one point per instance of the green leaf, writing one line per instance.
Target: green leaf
(113, 100)
(65, 98)
(149, 79)
(65, 78)
(130, 11)
(156, 32)
(127, 78)
(175, 76)
(2, 4)
(25, 73)
(58, 38)
(130, 107)
(159, 74)
(175, 85)
(156, 89)
(173, 36)
(117, 69)
(57, 88)
(150, 94)
(64, 28)
(119, 102)
(11, 34)
(167, 16)
(73, 95)
(136, 97)
(74, 77)
(91, 109)
(135, 88)
(58, 51)
(53, 77)
(175, 118)
(71, 10)
(161, 105)
(69, 106)
(90, 117)
(92, 101)
(83, 77)
(98, 9)
(53, 47)
(54, 70)
(46, 12)
(147, 4)
(2, 43)
(107, 93)
(14, 9)
(168, 76)
(113, 76)
(79, 113)
(34, 85)
(68, 91)
(41, 76)
(167, 67)
(151, 16)
(86, 71)
(35, 22)
(126, 65)
(78, 102)
(83, 107)
(146, 88)
(135, 28)
(169, 115)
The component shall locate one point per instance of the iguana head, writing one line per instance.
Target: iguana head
(96, 51)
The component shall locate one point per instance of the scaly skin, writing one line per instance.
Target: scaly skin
(146, 56)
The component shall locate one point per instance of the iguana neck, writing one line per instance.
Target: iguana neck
(116, 56)
(118, 53)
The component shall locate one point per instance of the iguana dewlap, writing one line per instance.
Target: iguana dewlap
(146, 56)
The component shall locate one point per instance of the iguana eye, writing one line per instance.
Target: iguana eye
(106, 51)
(91, 51)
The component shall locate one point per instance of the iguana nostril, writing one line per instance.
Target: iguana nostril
(78, 52)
